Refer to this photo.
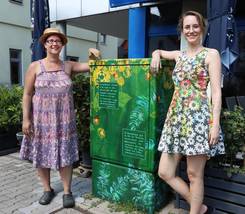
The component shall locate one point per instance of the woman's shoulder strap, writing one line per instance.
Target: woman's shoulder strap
(41, 65)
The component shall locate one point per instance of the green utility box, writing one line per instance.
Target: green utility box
(128, 107)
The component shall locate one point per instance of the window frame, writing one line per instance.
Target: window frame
(18, 2)
(72, 58)
(16, 60)
(102, 39)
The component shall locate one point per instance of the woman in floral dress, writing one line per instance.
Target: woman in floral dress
(49, 122)
(192, 125)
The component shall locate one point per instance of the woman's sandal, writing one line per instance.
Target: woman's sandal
(68, 201)
(47, 197)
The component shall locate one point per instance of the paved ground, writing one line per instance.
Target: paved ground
(20, 190)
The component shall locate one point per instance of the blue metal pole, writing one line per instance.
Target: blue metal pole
(137, 35)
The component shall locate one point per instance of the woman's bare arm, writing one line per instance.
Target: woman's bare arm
(158, 54)
(214, 68)
(77, 67)
(27, 97)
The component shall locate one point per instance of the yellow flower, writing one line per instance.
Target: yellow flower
(126, 62)
(148, 76)
(96, 120)
(121, 68)
(101, 133)
(120, 81)
(112, 69)
(127, 73)
(183, 130)
(144, 62)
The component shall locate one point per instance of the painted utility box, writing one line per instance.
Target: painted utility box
(128, 107)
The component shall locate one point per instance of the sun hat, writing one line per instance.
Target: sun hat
(52, 31)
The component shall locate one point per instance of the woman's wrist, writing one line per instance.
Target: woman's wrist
(26, 118)
(216, 126)
(156, 52)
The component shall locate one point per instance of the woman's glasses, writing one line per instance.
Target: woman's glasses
(51, 42)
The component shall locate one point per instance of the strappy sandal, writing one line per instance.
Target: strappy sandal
(68, 201)
(47, 197)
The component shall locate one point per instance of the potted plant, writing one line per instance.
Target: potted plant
(233, 124)
(81, 93)
(10, 115)
(19, 137)
(224, 178)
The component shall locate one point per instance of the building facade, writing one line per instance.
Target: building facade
(150, 24)
(15, 41)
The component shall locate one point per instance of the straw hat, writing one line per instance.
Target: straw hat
(52, 31)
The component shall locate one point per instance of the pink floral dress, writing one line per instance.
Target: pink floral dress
(54, 143)
(189, 118)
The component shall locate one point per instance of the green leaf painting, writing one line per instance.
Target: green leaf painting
(126, 96)
(128, 108)
(125, 184)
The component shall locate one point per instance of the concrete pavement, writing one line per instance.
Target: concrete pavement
(20, 190)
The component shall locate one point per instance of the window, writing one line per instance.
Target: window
(72, 58)
(15, 66)
(102, 39)
(16, 1)
(163, 26)
(165, 42)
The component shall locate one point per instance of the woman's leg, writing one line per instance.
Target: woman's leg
(66, 177)
(48, 194)
(167, 171)
(44, 174)
(195, 171)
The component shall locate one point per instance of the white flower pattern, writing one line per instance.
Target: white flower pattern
(188, 134)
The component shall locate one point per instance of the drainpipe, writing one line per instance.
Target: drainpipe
(98, 41)
(137, 33)
(62, 26)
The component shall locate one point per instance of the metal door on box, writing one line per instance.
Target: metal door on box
(128, 106)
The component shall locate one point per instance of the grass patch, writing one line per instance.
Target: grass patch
(127, 208)
(94, 201)
(88, 196)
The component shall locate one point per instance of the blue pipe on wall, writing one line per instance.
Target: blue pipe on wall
(137, 33)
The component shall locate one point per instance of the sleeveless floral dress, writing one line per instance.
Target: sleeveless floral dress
(54, 144)
(189, 118)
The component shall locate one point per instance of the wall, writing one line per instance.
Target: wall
(79, 41)
(107, 52)
(15, 14)
(15, 33)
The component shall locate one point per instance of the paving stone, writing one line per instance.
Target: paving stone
(20, 185)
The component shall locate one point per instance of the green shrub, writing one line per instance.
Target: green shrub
(233, 124)
(233, 127)
(81, 93)
(10, 107)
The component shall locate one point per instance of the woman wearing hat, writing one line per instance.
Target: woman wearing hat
(49, 124)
